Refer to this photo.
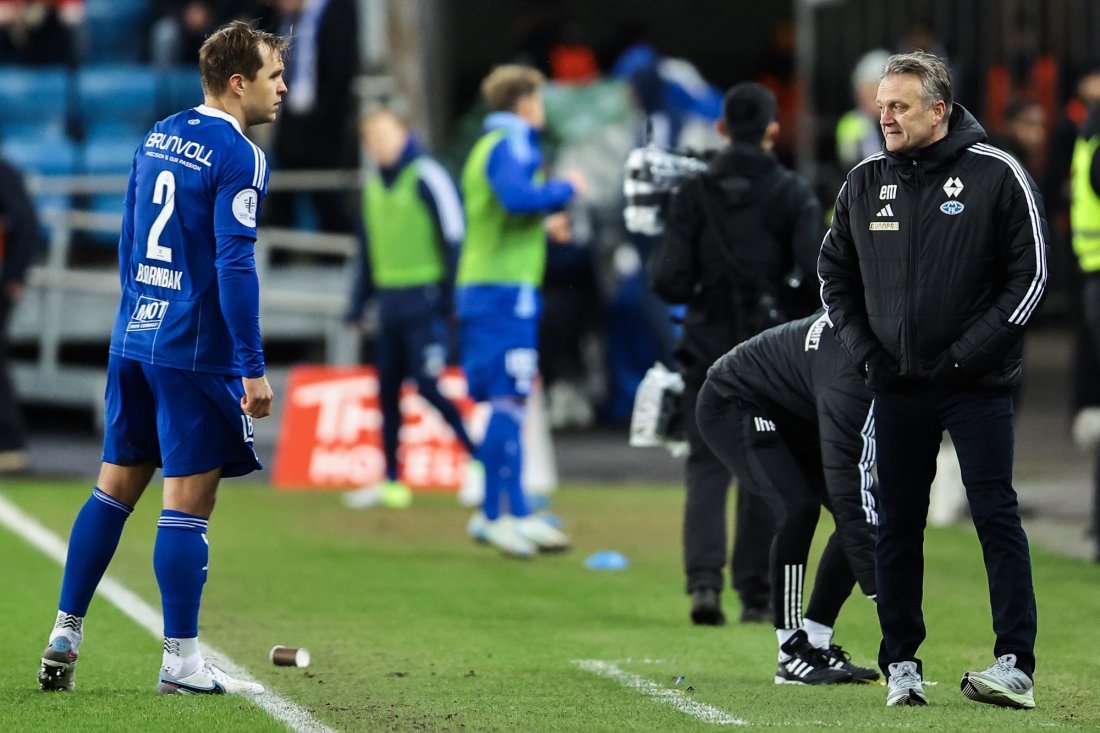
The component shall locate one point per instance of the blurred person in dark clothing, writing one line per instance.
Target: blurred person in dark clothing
(734, 236)
(315, 130)
(181, 26)
(1085, 226)
(1024, 133)
(39, 32)
(20, 239)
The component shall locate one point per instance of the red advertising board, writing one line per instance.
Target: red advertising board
(331, 432)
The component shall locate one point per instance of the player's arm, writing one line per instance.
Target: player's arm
(362, 280)
(439, 193)
(510, 170)
(838, 271)
(126, 236)
(240, 187)
(1021, 226)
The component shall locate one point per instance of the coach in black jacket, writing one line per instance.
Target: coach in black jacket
(733, 236)
(790, 416)
(935, 263)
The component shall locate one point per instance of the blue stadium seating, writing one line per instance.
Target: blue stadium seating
(107, 95)
(181, 88)
(47, 157)
(33, 100)
(117, 30)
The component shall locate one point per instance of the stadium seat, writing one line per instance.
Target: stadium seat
(117, 30)
(108, 95)
(107, 157)
(44, 157)
(32, 99)
(181, 88)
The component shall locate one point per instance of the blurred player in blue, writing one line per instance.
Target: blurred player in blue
(510, 211)
(186, 371)
(412, 230)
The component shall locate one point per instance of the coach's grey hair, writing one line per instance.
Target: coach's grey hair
(935, 77)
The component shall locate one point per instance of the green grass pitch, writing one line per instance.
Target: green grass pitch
(414, 628)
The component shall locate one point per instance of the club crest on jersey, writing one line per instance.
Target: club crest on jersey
(952, 208)
(148, 314)
(245, 204)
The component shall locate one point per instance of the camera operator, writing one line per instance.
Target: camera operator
(739, 240)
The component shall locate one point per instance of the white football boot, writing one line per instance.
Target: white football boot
(541, 534)
(209, 679)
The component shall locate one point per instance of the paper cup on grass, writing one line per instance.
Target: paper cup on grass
(288, 656)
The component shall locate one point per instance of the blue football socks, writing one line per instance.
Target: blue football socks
(92, 543)
(180, 558)
(501, 453)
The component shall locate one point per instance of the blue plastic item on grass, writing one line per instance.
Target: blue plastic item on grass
(607, 560)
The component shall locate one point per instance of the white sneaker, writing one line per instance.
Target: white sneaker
(477, 526)
(208, 679)
(541, 534)
(363, 498)
(501, 534)
(1001, 684)
(904, 686)
(472, 491)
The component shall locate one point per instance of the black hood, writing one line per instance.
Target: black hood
(736, 169)
(962, 132)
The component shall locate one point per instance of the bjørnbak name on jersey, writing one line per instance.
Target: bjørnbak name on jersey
(148, 314)
(178, 148)
(160, 277)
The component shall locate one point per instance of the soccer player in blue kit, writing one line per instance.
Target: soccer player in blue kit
(185, 376)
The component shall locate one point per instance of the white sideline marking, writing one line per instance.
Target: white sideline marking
(293, 716)
(649, 688)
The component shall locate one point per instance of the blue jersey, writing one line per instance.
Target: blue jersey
(190, 298)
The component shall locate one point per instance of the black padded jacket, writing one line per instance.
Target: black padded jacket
(802, 370)
(776, 221)
(942, 251)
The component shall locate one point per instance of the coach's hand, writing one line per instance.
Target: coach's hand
(881, 372)
(257, 397)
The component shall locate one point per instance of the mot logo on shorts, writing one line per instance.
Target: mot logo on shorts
(522, 365)
(148, 314)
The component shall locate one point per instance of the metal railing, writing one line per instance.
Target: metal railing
(72, 304)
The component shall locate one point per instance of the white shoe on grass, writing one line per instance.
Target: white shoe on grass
(541, 534)
(1000, 684)
(905, 686)
(363, 498)
(209, 679)
(472, 491)
(501, 533)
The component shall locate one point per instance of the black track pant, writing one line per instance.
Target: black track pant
(908, 430)
(707, 482)
(778, 459)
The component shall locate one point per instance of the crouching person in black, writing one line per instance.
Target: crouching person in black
(736, 237)
(788, 414)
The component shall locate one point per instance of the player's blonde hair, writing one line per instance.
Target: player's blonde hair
(234, 49)
(508, 84)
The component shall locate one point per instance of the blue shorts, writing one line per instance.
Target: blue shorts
(188, 422)
(500, 356)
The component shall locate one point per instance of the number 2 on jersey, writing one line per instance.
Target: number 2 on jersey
(164, 193)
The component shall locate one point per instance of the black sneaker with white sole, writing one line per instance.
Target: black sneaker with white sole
(840, 659)
(806, 665)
